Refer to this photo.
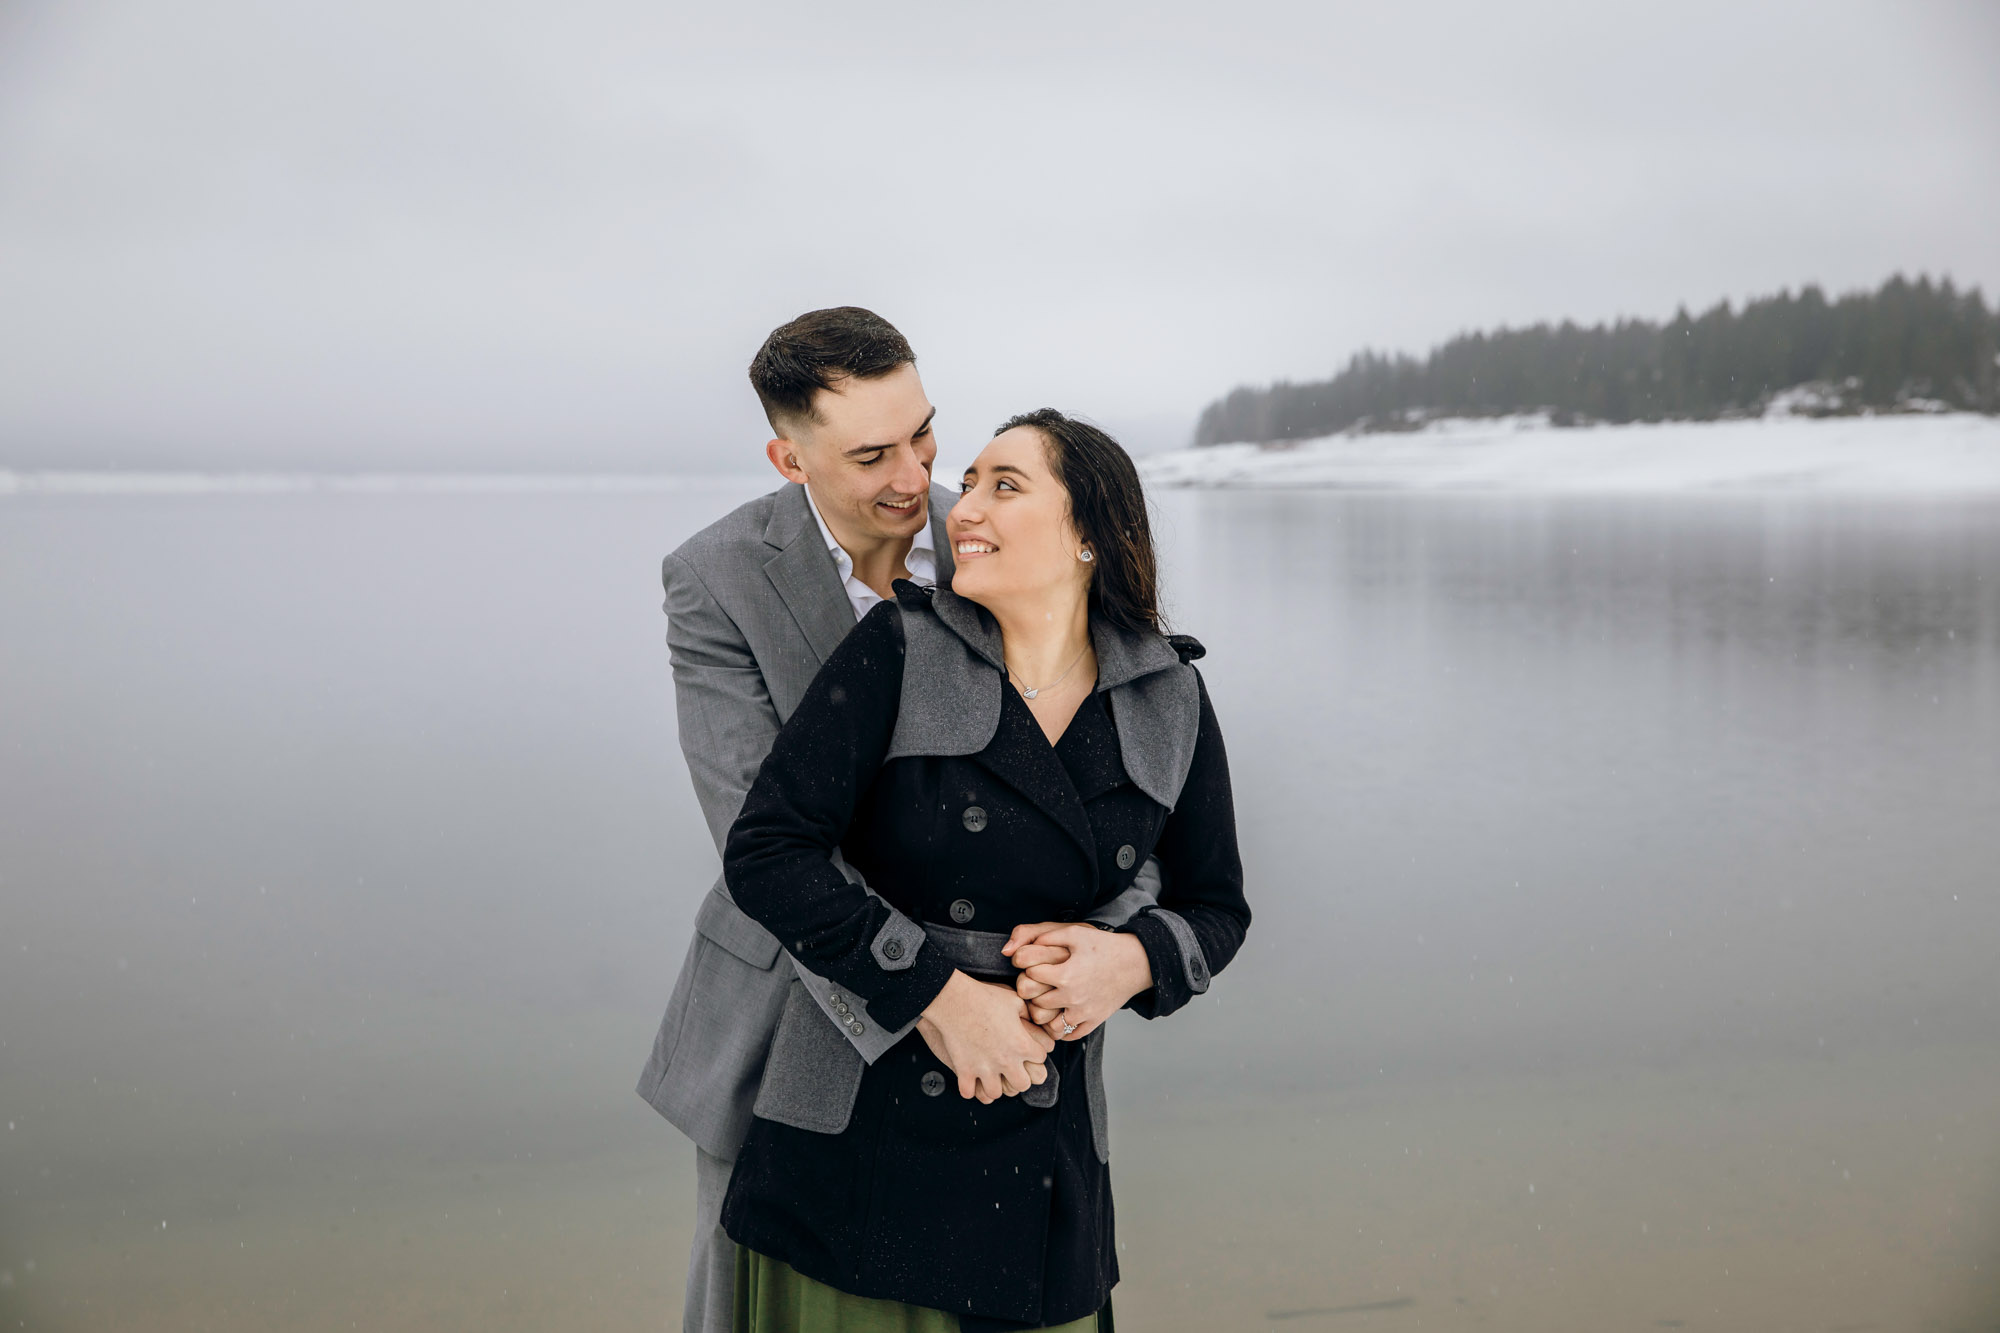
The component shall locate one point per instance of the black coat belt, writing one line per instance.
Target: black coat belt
(977, 953)
(973, 951)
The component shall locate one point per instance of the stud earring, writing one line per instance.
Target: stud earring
(1085, 556)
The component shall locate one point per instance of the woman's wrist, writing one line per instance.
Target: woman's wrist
(1135, 969)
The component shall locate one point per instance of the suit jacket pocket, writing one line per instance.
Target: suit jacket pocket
(724, 922)
(814, 1073)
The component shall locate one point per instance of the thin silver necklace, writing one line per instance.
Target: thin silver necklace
(1022, 685)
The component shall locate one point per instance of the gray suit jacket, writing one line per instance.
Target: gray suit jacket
(754, 606)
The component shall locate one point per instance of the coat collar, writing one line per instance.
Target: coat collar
(954, 681)
(808, 581)
(1123, 656)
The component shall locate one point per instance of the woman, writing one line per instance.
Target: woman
(998, 761)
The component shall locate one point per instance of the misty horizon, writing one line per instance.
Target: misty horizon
(387, 238)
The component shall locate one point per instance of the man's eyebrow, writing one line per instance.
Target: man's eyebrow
(877, 448)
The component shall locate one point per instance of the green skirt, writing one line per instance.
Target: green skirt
(772, 1298)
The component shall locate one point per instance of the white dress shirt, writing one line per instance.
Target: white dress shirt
(921, 561)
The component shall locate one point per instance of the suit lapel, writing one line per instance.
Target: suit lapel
(808, 581)
(804, 575)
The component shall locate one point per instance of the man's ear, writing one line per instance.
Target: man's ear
(784, 456)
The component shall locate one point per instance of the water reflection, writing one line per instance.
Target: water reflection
(1622, 957)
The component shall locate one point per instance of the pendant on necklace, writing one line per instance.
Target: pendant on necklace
(1030, 693)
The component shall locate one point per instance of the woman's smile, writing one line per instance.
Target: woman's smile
(970, 548)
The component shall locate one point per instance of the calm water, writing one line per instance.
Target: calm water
(1625, 876)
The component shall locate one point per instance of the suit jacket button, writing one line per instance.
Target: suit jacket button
(961, 911)
(974, 819)
(1128, 856)
(932, 1083)
(892, 949)
(856, 1028)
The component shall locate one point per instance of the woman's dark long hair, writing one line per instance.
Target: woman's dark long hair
(1108, 507)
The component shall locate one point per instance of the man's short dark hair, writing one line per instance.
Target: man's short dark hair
(818, 350)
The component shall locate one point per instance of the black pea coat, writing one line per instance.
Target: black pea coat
(933, 779)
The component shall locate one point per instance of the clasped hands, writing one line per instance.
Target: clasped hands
(996, 1038)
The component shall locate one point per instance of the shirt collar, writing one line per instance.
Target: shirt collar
(921, 542)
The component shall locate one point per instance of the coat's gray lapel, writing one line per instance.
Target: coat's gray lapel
(805, 576)
(951, 697)
(1156, 704)
(1158, 717)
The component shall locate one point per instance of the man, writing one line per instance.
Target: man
(755, 603)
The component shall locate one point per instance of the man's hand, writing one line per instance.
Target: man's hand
(1074, 973)
(982, 1034)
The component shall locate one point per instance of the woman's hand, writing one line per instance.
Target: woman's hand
(1076, 976)
(982, 1034)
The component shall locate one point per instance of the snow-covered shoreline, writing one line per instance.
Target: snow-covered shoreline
(1950, 453)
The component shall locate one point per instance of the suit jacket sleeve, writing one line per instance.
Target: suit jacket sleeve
(1202, 916)
(726, 717)
(799, 808)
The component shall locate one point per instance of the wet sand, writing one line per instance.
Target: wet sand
(1847, 1193)
(1834, 1195)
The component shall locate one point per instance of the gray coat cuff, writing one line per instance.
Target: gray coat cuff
(1180, 969)
(896, 944)
(1194, 963)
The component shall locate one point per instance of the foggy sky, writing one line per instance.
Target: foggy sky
(413, 233)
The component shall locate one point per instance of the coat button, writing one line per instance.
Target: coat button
(974, 819)
(1128, 856)
(892, 949)
(961, 911)
(933, 1084)
(856, 1028)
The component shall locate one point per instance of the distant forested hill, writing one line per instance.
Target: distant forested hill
(1911, 345)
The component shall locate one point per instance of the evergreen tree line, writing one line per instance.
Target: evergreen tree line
(1908, 345)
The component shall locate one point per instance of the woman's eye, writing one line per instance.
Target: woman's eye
(964, 486)
(1004, 484)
